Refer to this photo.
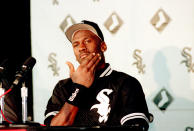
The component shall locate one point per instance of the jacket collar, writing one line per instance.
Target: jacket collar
(105, 71)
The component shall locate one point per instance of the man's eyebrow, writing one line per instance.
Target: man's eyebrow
(73, 42)
(84, 38)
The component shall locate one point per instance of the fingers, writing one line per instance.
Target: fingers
(87, 59)
(71, 67)
(93, 62)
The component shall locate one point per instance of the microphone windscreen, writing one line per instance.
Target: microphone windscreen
(29, 63)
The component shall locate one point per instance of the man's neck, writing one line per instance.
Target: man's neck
(101, 65)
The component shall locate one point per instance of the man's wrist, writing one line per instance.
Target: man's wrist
(77, 95)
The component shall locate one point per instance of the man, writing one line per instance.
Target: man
(95, 95)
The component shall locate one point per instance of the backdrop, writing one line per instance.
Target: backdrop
(152, 40)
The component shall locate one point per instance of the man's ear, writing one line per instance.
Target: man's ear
(103, 47)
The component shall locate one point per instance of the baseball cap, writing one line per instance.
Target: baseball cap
(84, 25)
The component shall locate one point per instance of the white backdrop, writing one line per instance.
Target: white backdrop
(151, 40)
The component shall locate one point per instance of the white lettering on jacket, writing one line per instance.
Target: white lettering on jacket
(72, 97)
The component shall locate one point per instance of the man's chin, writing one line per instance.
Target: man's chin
(80, 61)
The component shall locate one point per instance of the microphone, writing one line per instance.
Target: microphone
(25, 68)
(3, 67)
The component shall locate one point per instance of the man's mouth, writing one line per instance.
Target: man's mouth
(84, 55)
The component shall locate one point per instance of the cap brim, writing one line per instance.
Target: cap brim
(72, 29)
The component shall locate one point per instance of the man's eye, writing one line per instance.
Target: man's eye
(75, 44)
(87, 41)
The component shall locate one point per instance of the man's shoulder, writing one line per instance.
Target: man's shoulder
(124, 81)
(62, 86)
(123, 75)
(63, 83)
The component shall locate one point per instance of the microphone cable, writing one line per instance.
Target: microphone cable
(1, 109)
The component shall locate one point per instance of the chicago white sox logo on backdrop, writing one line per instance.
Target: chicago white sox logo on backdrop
(104, 106)
(188, 59)
(140, 66)
(160, 20)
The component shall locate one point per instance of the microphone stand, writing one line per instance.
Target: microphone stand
(25, 122)
(24, 95)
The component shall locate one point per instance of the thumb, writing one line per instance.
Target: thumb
(71, 68)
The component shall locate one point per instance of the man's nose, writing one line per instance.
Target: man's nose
(82, 47)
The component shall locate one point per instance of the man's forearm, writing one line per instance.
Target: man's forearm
(66, 116)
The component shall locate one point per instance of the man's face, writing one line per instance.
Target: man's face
(85, 42)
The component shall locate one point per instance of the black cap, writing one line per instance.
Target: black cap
(84, 25)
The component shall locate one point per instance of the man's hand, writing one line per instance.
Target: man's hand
(85, 73)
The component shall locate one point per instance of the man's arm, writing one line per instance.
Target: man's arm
(66, 115)
(83, 77)
(135, 111)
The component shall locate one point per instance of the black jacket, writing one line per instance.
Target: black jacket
(114, 99)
